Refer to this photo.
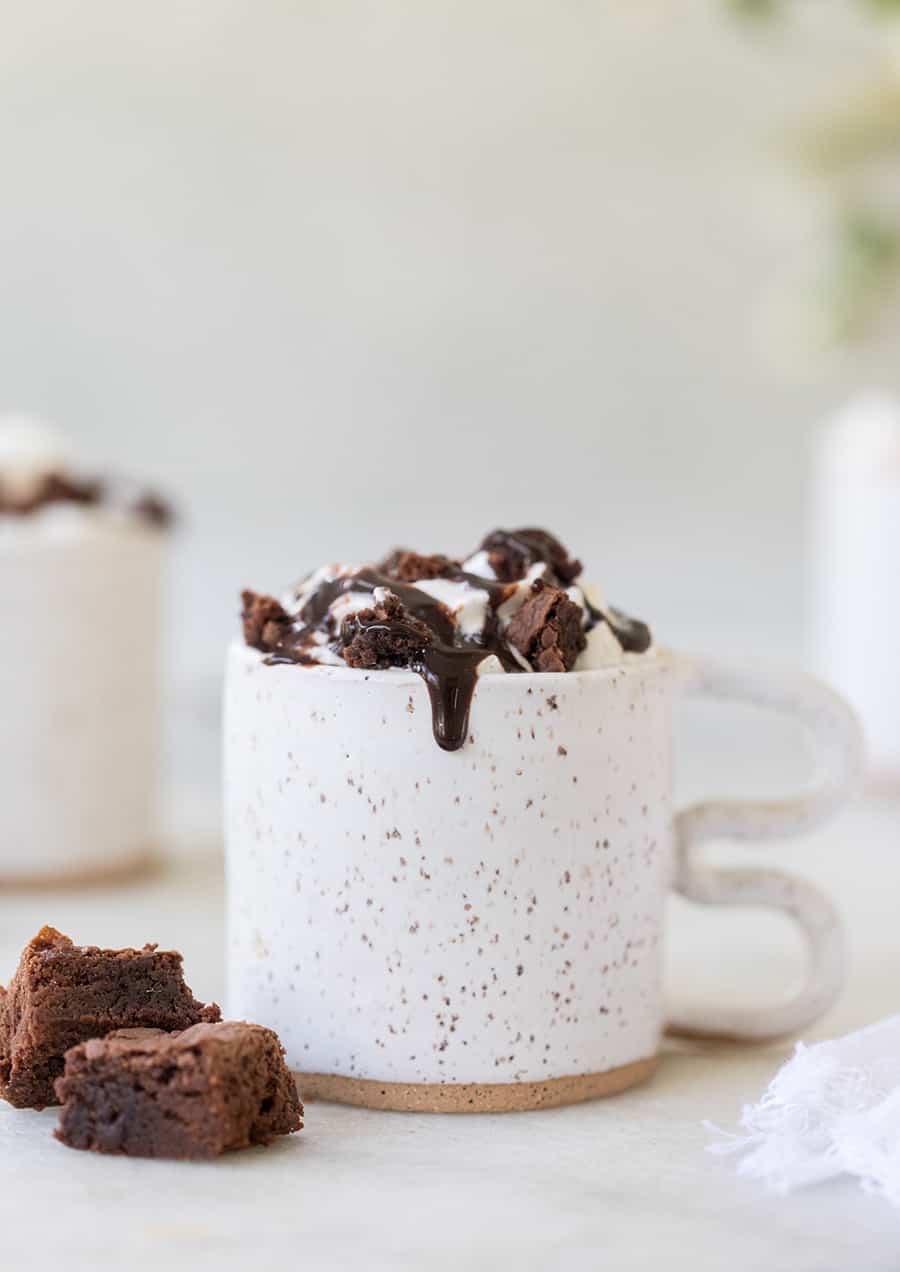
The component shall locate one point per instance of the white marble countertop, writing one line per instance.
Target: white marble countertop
(623, 1183)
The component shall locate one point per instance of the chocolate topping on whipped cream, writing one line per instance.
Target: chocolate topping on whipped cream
(57, 488)
(512, 606)
(512, 552)
(36, 473)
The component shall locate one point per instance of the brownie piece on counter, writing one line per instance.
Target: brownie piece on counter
(196, 1094)
(63, 994)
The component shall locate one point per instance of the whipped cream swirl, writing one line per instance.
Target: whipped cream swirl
(513, 606)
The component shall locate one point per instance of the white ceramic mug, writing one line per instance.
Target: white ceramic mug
(80, 647)
(482, 929)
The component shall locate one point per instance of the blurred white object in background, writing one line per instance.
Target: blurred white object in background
(30, 451)
(856, 568)
(80, 641)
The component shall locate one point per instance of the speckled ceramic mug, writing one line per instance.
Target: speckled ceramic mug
(482, 929)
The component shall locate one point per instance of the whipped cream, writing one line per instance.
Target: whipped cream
(30, 453)
(469, 607)
(514, 605)
(38, 480)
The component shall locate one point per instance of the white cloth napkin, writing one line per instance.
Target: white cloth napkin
(832, 1109)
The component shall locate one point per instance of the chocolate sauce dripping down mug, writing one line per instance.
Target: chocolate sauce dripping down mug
(482, 929)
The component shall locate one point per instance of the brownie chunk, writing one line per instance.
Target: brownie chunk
(512, 553)
(386, 635)
(410, 567)
(266, 621)
(154, 510)
(548, 629)
(196, 1094)
(55, 488)
(60, 488)
(63, 994)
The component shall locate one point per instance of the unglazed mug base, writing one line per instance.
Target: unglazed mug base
(473, 1097)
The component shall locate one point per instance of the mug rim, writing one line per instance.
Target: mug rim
(658, 662)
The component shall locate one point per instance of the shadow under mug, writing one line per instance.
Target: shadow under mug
(482, 930)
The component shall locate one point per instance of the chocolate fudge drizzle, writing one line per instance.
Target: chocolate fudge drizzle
(59, 488)
(447, 662)
(425, 631)
(634, 636)
(513, 552)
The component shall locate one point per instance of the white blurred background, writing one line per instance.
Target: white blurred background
(338, 275)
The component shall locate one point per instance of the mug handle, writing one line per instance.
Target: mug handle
(839, 748)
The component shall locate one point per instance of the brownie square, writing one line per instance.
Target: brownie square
(196, 1094)
(63, 994)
